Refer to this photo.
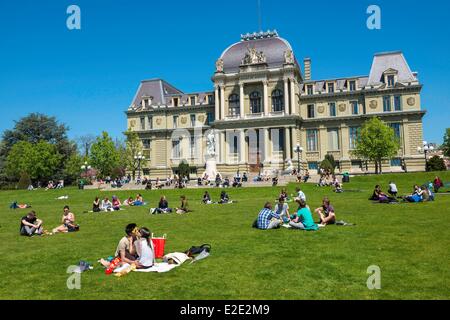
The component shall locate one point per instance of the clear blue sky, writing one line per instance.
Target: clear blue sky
(87, 78)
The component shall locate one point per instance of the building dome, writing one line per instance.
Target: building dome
(269, 43)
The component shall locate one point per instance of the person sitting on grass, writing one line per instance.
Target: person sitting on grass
(282, 209)
(139, 200)
(393, 189)
(184, 208)
(306, 176)
(15, 205)
(379, 195)
(116, 203)
(144, 250)
(224, 198)
(30, 225)
(158, 184)
(283, 194)
(326, 213)
(300, 194)
(126, 250)
(163, 207)
(206, 198)
(129, 202)
(303, 219)
(106, 205)
(68, 222)
(416, 196)
(427, 193)
(267, 218)
(96, 205)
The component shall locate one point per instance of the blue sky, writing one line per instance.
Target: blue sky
(88, 77)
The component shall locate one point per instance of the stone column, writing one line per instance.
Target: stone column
(266, 98)
(286, 96)
(241, 100)
(266, 141)
(217, 103)
(222, 147)
(287, 144)
(242, 149)
(293, 111)
(222, 102)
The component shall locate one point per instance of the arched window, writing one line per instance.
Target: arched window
(255, 102)
(233, 105)
(277, 101)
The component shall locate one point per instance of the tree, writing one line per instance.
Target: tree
(332, 162)
(183, 169)
(326, 165)
(104, 156)
(376, 141)
(84, 143)
(40, 161)
(72, 169)
(133, 147)
(446, 145)
(436, 164)
(24, 181)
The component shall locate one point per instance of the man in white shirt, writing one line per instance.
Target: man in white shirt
(300, 194)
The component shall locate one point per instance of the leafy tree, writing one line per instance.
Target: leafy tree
(376, 141)
(24, 181)
(446, 145)
(332, 162)
(40, 161)
(326, 165)
(183, 169)
(436, 164)
(72, 169)
(104, 156)
(133, 147)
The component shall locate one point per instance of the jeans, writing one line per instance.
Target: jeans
(274, 224)
(297, 225)
(29, 231)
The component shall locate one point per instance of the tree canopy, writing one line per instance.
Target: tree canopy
(104, 155)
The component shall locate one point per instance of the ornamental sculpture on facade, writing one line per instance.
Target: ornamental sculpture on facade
(219, 65)
(253, 57)
(288, 57)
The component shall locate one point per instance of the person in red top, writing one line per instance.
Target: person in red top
(437, 184)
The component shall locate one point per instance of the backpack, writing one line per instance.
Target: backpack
(197, 250)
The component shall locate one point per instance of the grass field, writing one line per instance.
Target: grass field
(409, 242)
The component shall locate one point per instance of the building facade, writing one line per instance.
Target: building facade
(264, 105)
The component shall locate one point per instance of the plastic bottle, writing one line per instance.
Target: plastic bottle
(112, 265)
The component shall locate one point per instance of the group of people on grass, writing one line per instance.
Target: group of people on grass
(163, 206)
(224, 198)
(31, 225)
(302, 219)
(419, 193)
(115, 204)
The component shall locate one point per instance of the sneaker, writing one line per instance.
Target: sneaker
(322, 225)
(152, 210)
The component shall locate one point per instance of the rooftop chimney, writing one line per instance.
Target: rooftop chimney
(307, 71)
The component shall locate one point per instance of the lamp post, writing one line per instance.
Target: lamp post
(298, 150)
(427, 147)
(139, 158)
(86, 168)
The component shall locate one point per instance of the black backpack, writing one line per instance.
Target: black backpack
(197, 250)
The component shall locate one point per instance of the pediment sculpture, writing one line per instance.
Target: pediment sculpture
(253, 56)
(288, 57)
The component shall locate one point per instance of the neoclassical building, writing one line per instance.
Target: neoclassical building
(264, 104)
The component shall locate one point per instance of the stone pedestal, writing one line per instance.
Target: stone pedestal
(211, 168)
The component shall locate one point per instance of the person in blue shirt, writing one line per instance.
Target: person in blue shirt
(304, 219)
(268, 219)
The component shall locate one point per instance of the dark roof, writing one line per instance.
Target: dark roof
(273, 48)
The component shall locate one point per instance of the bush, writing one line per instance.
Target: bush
(330, 159)
(326, 165)
(24, 181)
(436, 164)
(184, 169)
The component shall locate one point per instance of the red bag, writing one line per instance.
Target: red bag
(158, 246)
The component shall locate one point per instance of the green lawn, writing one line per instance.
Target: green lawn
(409, 242)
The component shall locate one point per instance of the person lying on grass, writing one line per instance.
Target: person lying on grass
(184, 208)
(30, 225)
(268, 219)
(416, 196)
(126, 250)
(15, 205)
(303, 219)
(68, 222)
(326, 213)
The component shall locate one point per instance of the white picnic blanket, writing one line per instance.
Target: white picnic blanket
(157, 267)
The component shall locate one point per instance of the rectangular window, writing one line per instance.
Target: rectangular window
(354, 105)
(396, 127)
(396, 162)
(352, 86)
(310, 89)
(210, 118)
(353, 136)
(192, 101)
(175, 122)
(150, 122)
(333, 139)
(146, 143)
(332, 106)
(331, 88)
(210, 99)
(313, 165)
(391, 81)
(387, 104)
(192, 120)
(176, 150)
(175, 102)
(312, 140)
(311, 111)
(192, 146)
(142, 123)
(398, 103)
